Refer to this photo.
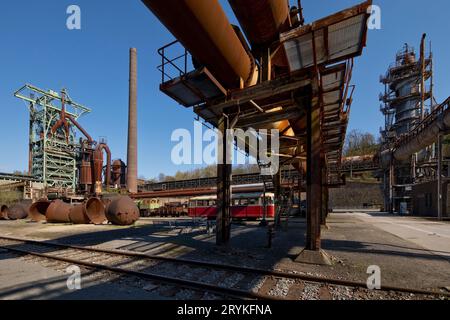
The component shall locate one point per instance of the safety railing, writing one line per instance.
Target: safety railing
(175, 67)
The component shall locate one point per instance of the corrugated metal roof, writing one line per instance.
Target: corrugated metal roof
(343, 39)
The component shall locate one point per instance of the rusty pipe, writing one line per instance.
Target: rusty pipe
(117, 172)
(64, 116)
(4, 212)
(203, 28)
(84, 132)
(106, 202)
(78, 215)
(19, 211)
(38, 210)
(58, 212)
(424, 139)
(91, 211)
(262, 20)
(122, 211)
(62, 122)
(100, 148)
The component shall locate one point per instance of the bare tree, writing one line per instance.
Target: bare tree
(360, 144)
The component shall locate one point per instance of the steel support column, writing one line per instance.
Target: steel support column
(323, 195)
(439, 177)
(314, 177)
(300, 182)
(278, 197)
(391, 189)
(224, 179)
(325, 207)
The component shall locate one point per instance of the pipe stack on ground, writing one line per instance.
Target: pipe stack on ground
(91, 211)
(122, 211)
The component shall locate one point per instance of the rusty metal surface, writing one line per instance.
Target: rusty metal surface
(38, 210)
(4, 212)
(91, 211)
(204, 29)
(85, 173)
(78, 215)
(117, 172)
(95, 211)
(106, 202)
(122, 211)
(19, 211)
(132, 170)
(262, 20)
(98, 162)
(58, 212)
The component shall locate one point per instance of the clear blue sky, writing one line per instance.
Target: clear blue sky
(92, 63)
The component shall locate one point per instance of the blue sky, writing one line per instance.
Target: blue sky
(37, 48)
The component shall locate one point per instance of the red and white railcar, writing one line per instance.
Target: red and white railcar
(245, 206)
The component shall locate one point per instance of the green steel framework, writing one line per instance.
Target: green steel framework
(53, 158)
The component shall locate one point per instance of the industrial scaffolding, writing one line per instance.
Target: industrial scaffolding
(52, 157)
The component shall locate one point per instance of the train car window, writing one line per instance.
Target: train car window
(244, 202)
(235, 202)
(211, 203)
(253, 202)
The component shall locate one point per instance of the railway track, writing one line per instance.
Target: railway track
(201, 278)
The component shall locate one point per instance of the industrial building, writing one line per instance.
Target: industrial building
(413, 155)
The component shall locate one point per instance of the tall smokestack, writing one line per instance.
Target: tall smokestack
(132, 125)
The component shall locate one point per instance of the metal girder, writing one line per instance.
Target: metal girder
(259, 92)
(268, 118)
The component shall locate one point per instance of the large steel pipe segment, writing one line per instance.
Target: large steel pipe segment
(19, 211)
(425, 139)
(91, 211)
(4, 212)
(205, 31)
(58, 212)
(78, 214)
(262, 20)
(38, 210)
(122, 211)
(95, 210)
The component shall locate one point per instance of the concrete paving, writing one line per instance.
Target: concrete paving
(411, 252)
(430, 234)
